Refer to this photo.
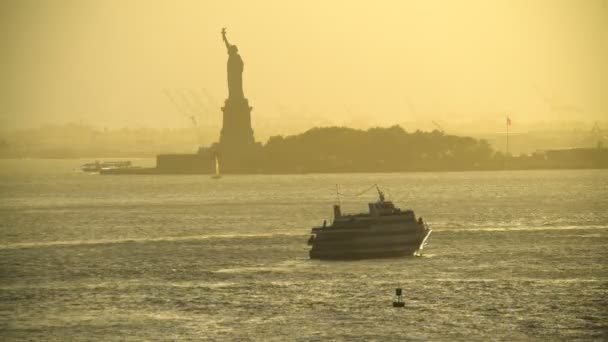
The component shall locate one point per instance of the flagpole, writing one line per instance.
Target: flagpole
(508, 135)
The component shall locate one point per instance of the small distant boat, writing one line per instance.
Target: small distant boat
(217, 174)
(91, 167)
(97, 166)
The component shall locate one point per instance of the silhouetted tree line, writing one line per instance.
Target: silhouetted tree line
(342, 149)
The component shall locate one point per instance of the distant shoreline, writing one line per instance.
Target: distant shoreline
(345, 172)
(336, 150)
(146, 170)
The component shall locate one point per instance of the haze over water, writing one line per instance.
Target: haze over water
(513, 255)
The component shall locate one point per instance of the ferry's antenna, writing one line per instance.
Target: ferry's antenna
(338, 195)
(380, 193)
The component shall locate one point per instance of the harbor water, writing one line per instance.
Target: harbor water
(514, 255)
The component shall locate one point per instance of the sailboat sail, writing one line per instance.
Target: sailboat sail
(217, 169)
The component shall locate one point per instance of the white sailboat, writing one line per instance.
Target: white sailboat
(217, 174)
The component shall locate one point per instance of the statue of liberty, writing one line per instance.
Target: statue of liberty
(235, 70)
(236, 137)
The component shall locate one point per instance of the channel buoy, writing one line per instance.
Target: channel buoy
(398, 303)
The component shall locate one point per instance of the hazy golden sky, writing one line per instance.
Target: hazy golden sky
(107, 62)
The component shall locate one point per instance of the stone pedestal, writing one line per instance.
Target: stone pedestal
(236, 130)
(237, 145)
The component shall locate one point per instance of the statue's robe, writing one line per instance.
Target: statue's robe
(235, 76)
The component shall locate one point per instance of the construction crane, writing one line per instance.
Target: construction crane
(438, 126)
(598, 135)
(190, 106)
(557, 107)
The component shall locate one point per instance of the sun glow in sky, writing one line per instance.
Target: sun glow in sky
(307, 63)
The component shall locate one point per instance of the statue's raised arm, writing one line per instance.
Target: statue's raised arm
(235, 70)
(225, 39)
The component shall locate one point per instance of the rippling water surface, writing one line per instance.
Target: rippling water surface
(514, 255)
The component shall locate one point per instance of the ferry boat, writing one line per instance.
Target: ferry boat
(385, 231)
